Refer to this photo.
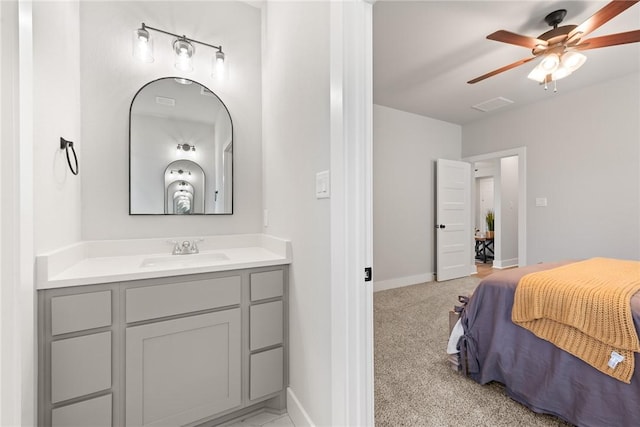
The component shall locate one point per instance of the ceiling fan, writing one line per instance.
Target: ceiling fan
(560, 47)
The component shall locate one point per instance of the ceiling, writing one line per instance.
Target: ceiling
(424, 52)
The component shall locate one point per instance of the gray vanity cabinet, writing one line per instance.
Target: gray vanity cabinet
(182, 370)
(266, 334)
(76, 343)
(187, 350)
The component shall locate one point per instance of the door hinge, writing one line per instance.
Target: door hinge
(368, 274)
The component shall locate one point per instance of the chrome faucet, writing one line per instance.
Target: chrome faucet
(186, 247)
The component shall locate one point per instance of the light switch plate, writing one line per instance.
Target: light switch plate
(541, 201)
(322, 185)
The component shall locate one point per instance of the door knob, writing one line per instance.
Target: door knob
(441, 226)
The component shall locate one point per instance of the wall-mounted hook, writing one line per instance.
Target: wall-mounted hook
(65, 145)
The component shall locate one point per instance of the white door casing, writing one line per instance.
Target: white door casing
(485, 201)
(454, 238)
(351, 213)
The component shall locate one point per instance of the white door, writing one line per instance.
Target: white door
(453, 219)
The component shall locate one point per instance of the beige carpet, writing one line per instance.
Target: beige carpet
(414, 385)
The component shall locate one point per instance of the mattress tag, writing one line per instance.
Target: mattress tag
(615, 359)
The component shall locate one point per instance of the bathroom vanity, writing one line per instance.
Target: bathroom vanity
(125, 341)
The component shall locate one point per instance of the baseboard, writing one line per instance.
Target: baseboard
(402, 281)
(298, 415)
(506, 263)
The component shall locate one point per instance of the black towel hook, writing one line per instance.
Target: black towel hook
(65, 145)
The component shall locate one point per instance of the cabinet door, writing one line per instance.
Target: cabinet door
(179, 371)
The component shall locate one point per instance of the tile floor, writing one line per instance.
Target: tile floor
(264, 419)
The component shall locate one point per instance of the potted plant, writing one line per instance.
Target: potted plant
(490, 218)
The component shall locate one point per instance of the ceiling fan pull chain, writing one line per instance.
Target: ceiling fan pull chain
(555, 86)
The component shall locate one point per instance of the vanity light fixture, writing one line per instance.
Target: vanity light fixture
(180, 172)
(183, 48)
(186, 147)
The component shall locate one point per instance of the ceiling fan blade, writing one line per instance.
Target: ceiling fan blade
(605, 14)
(500, 70)
(609, 40)
(513, 38)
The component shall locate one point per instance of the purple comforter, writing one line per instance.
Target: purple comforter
(535, 372)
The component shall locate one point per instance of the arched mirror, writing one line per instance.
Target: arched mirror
(180, 150)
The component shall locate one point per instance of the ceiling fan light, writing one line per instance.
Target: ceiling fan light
(561, 73)
(573, 60)
(550, 62)
(538, 74)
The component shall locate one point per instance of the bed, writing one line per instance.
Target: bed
(535, 372)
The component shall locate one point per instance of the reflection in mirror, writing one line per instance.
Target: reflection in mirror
(184, 178)
(180, 150)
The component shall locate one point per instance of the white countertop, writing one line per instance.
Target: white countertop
(93, 262)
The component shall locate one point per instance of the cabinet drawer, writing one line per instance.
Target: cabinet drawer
(93, 412)
(155, 301)
(267, 284)
(80, 366)
(266, 373)
(71, 313)
(265, 325)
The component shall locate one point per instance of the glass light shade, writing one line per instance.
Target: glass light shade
(184, 52)
(550, 62)
(538, 74)
(218, 69)
(560, 73)
(142, 45)
(573, 60)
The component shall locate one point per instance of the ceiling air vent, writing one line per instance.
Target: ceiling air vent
(492, 104)
(169, 102)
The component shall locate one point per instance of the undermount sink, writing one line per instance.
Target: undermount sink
(191, 260)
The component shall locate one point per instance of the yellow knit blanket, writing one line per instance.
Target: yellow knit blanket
(585, 309)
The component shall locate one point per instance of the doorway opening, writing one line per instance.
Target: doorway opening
(499, 185)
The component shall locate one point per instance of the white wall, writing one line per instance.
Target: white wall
(405, 147)
(296, 138)
(56, 64)
(110, 77)
(10, 332)
(583, 156)
(40, 198)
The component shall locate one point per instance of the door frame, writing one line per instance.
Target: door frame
(521, 152)
(351, 161)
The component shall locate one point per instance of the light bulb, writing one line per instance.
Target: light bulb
(142, 45)
(183, 51)
(218, 65)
